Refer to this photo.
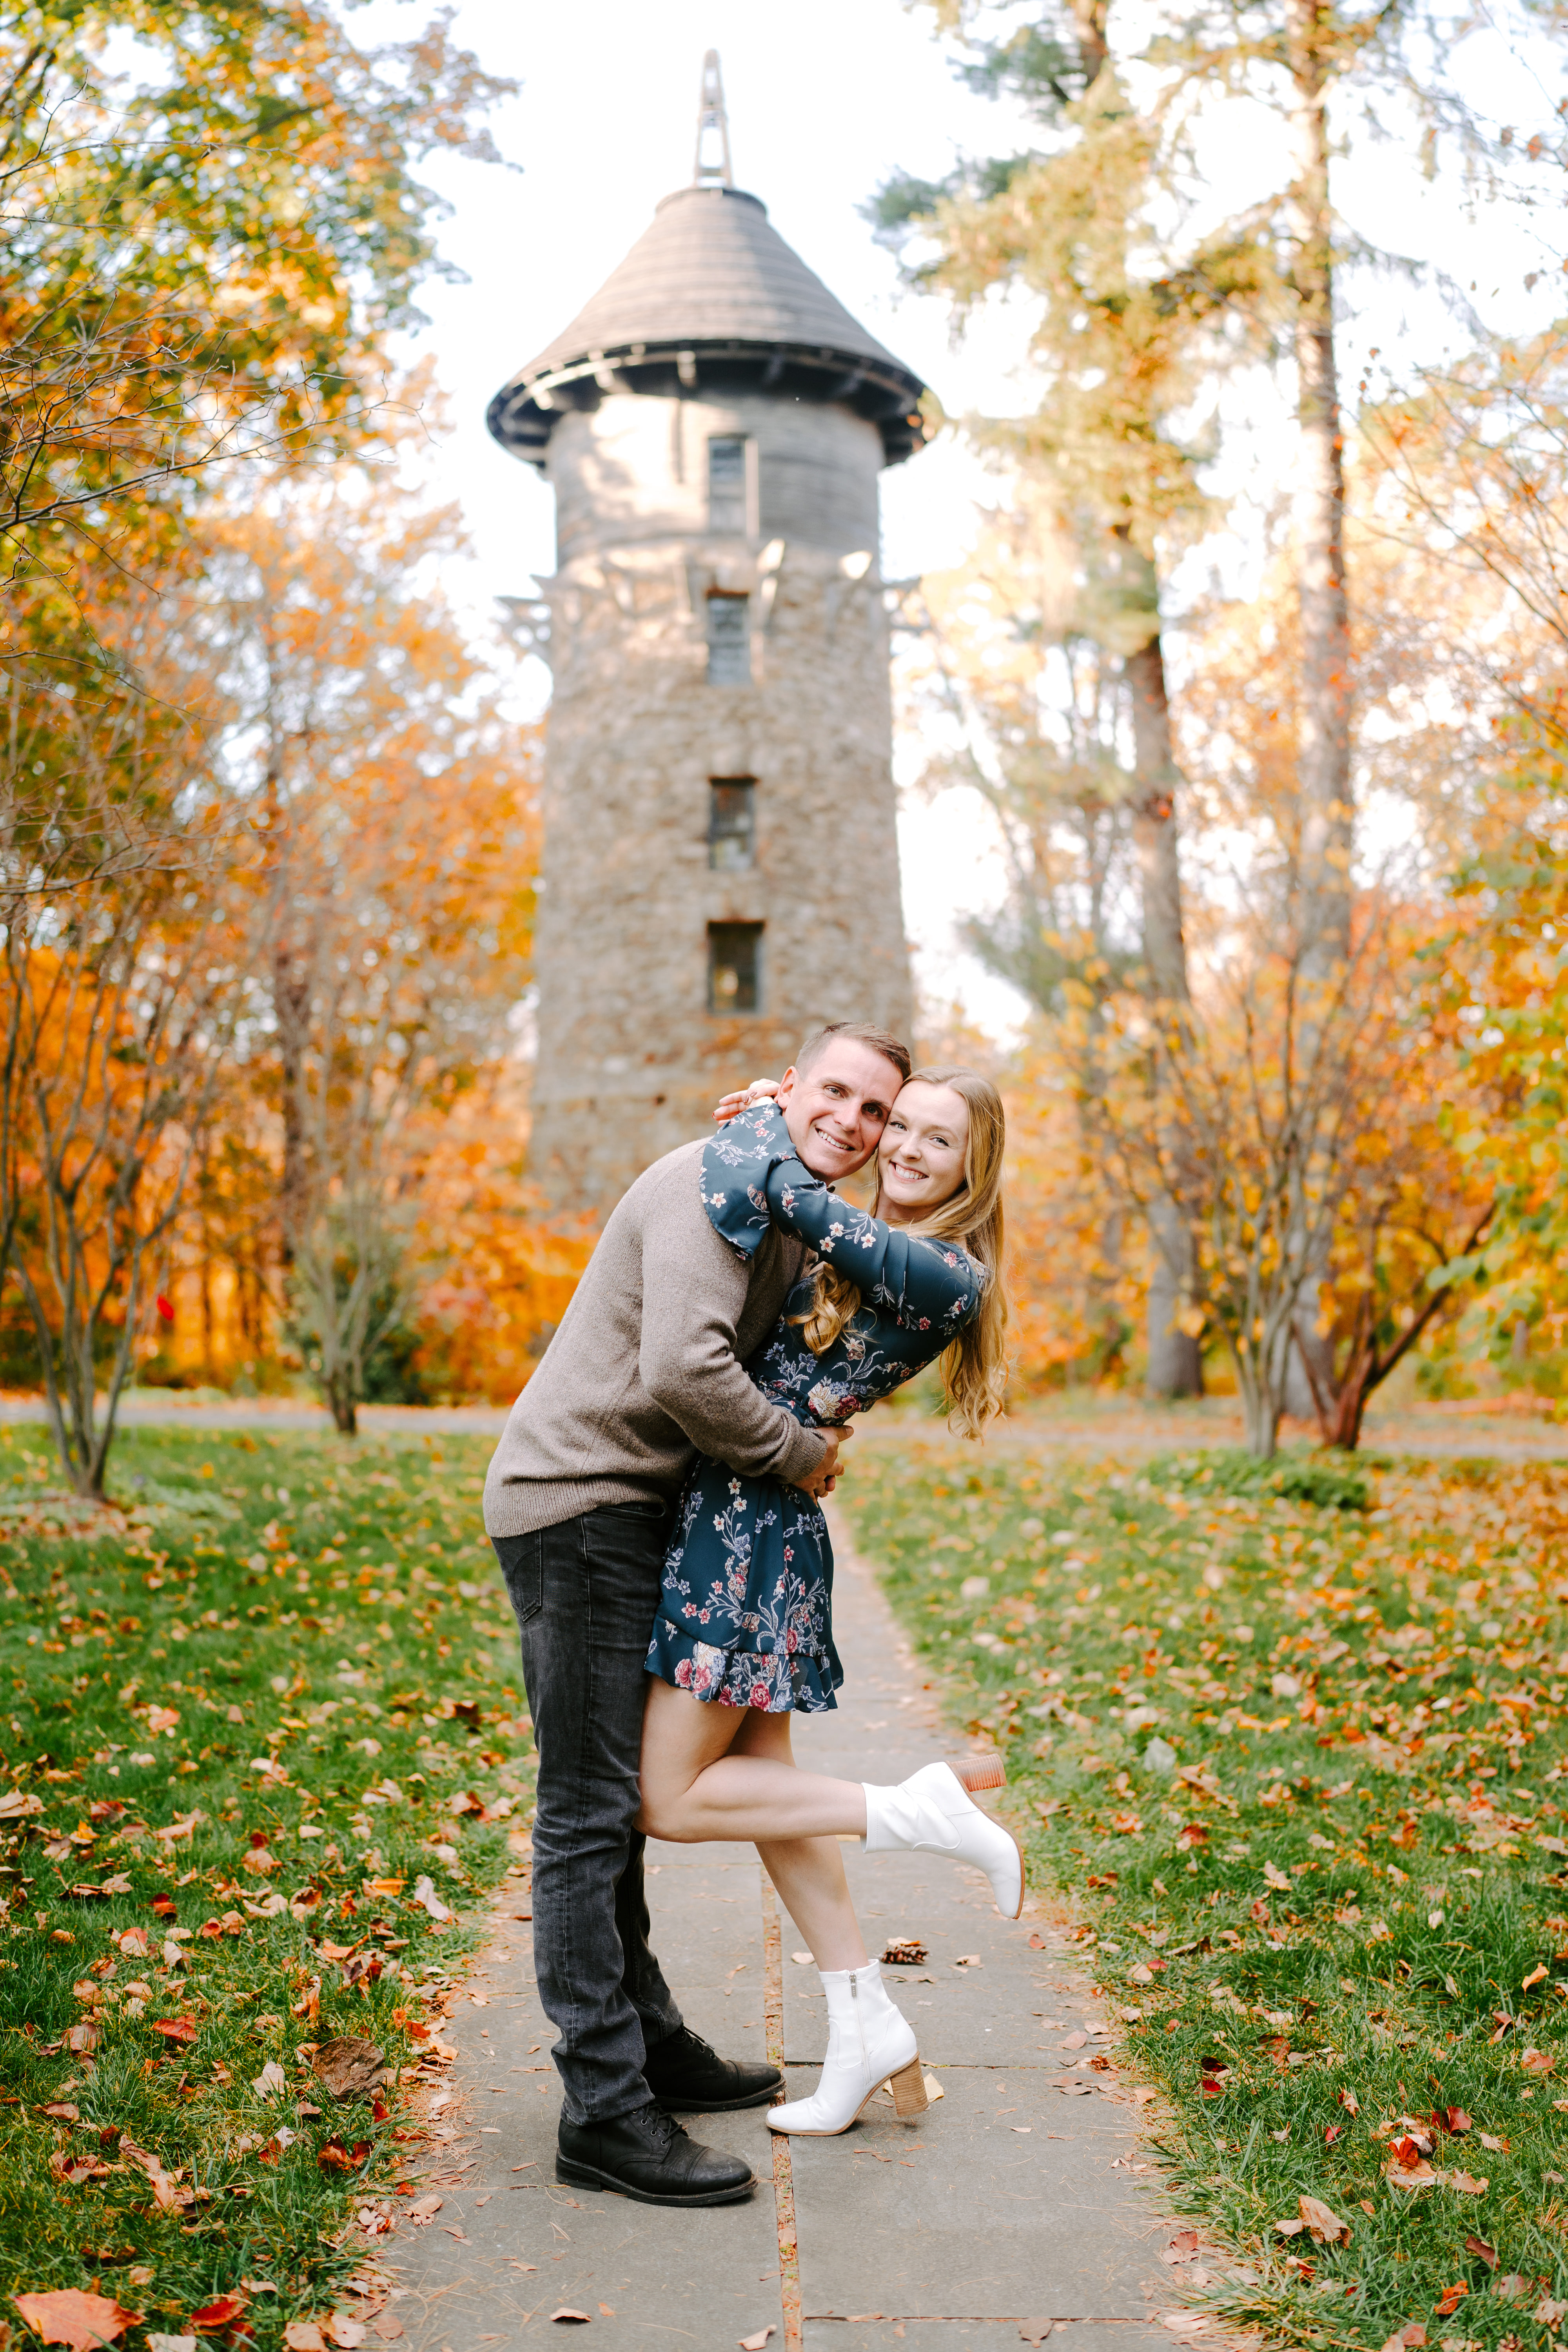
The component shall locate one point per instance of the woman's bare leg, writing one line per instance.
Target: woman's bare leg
(753, 1749)
(698, 1783)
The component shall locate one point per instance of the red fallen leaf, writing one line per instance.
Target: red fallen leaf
(71, 2317)
(1332, 2133)
(1451, 2119)
(334, 2157)
(176, 2028)
(1192, 1835)
(379, 2111)
(166, 1907)
(1408, 2152)
(219, 2313)
(165, 1312)
(1449, 2302)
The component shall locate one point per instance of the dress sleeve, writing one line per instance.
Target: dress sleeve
(752, 1178)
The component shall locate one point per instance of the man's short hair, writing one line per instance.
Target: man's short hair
(881, 1041)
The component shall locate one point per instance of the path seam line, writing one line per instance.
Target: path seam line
(783, 2172)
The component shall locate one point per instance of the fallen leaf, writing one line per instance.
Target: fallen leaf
(1538, 1974)
(176, 2028)
(1451, 2119)
(969, 1961)
(1467, 2185)
(272, 2082)
(1419, 2174)
(70, 2316)
(755, 2343)
(1035, 2331)
(347, 2334)
(903, 1952)
(170, 2344)
(166, 2187)
(334, 2157)
(425, 1894)
(933, 2089)
(1480, 2248)
(1548, 2312)
(425, 2209)
(1349, 2103)
(1449, 2302)
(1326, 2227)
(576, 2318)
(387, 2327)
(304, 2336)
(1185, 2323)
(1512, 2286)
(1497, 2147)
(1538, 2062)
(221, 2313)
(1182, 2247)
(348, 2066)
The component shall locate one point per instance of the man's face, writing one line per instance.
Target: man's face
(837, 1110)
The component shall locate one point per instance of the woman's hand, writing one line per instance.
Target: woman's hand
(731, 1105)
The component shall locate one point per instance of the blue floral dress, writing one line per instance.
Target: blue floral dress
(745, 1615)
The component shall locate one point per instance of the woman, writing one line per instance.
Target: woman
(744, 1634)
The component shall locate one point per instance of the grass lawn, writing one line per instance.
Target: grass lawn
(1299, 1758)
(264, 1734)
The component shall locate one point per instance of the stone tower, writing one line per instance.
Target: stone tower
(721, 867)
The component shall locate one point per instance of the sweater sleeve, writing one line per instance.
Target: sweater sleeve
(752, 1179)
(694, 1288)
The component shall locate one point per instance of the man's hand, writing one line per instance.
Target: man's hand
(825, 1477)
(731, 1106)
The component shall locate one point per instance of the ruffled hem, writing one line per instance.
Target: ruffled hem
(774, 1683)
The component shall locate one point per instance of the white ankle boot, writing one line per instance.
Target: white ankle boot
(869, 2042)
(931, 1812)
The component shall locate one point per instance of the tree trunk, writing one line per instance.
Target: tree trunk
(1175, 1356)
(1323, 751)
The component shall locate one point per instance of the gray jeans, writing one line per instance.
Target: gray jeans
(584, 1593)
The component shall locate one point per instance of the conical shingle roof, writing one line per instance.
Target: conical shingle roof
(710, 295)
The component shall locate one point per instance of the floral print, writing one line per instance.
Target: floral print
(745, 1615)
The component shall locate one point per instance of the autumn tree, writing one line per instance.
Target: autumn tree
(371, 741)
(212, 222)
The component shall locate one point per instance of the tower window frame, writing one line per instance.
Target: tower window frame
(734, 969)
(732, 470)
(731, 824)
(728, 638)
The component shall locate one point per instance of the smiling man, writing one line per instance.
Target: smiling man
(644, 1372)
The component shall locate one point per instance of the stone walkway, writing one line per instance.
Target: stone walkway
(1022, 2196)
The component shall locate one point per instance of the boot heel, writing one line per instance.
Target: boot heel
(909, 2089)
(978, 1772)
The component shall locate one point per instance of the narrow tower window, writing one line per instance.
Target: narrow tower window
(727, 499)
(732, 823)
(729, 640)
(735, 967)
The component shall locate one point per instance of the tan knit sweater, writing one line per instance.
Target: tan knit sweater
(645, 1371)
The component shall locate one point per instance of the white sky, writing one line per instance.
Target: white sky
(823, 101)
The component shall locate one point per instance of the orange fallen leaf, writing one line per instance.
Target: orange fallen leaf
(70, 2316)
(1538, 2062)
(221, 2313)
(176, 2028)
(1449, 2302)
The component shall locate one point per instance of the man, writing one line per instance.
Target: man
(646, 1371)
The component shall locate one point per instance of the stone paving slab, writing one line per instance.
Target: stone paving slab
(987, 2214)
(979, 2336)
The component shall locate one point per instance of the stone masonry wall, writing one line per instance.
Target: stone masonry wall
(630, 1061)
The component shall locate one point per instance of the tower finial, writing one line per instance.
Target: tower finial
(713, 128)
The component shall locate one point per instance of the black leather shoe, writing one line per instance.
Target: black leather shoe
(688, 2077)
(646, 2155)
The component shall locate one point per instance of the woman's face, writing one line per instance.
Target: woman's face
(920, 1161)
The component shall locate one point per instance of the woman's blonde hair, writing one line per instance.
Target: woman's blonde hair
(974, 1367)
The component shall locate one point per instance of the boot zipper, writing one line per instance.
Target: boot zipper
(860, 2020)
